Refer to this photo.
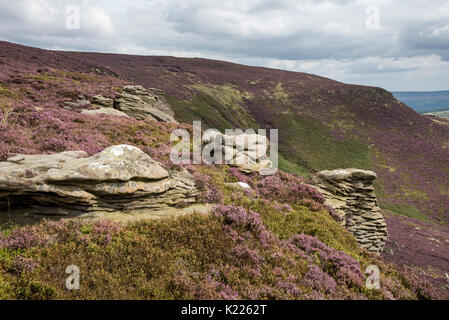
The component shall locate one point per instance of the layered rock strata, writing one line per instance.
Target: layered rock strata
(118, 179)
(350, 193)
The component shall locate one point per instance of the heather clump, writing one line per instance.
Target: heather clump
(20, 239)
(242, 223)
(344, 268)
(23, 264)
(51, 232)
(210, 193)
(421, 287)
(240, 176)
(282, 188)
(289, 188)
(103, 231)
(317, 279)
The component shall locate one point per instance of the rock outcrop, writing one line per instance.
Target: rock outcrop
(350, 193)
(103, 102)
(139, 103)
(118, 179)
(133, 101)
(246, 152)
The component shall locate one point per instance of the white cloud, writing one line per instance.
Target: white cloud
(44, 22)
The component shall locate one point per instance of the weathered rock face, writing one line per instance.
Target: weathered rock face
(108, 111)
(82, 102)
(139, 103)
(246, 152)
(118, 179)
(350, 193)
(103, 102)
(133, 101)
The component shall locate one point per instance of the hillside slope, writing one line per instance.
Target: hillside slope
(323, 124)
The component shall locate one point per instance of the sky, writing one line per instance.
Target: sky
(400, 45)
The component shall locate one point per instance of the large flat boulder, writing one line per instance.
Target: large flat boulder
(119, 179)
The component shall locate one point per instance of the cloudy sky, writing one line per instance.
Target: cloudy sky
(395, 44)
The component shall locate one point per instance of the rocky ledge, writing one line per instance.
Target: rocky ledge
(118, 179)
(350, 193)
(141, 104)
(131, 101)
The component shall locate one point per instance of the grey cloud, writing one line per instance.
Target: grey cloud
(427, 37)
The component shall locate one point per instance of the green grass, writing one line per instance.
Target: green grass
(404, 210)
(214, 110)
(306, 142)
(291, 167)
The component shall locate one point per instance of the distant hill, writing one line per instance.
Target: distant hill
(425, 101)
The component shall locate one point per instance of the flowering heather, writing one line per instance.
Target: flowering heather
(316, 278)
(240, 219)
(22, 264)
(243, 252)
(283, 189)
(290, 189)
(214, 288)
(290, 286)
(103, 230)
(240, 176)
(209, 191)
(192, 257)
(20, 239)
(345, 269)
(50, 232)
(267, 247)
(422, 245)
(40, 123)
